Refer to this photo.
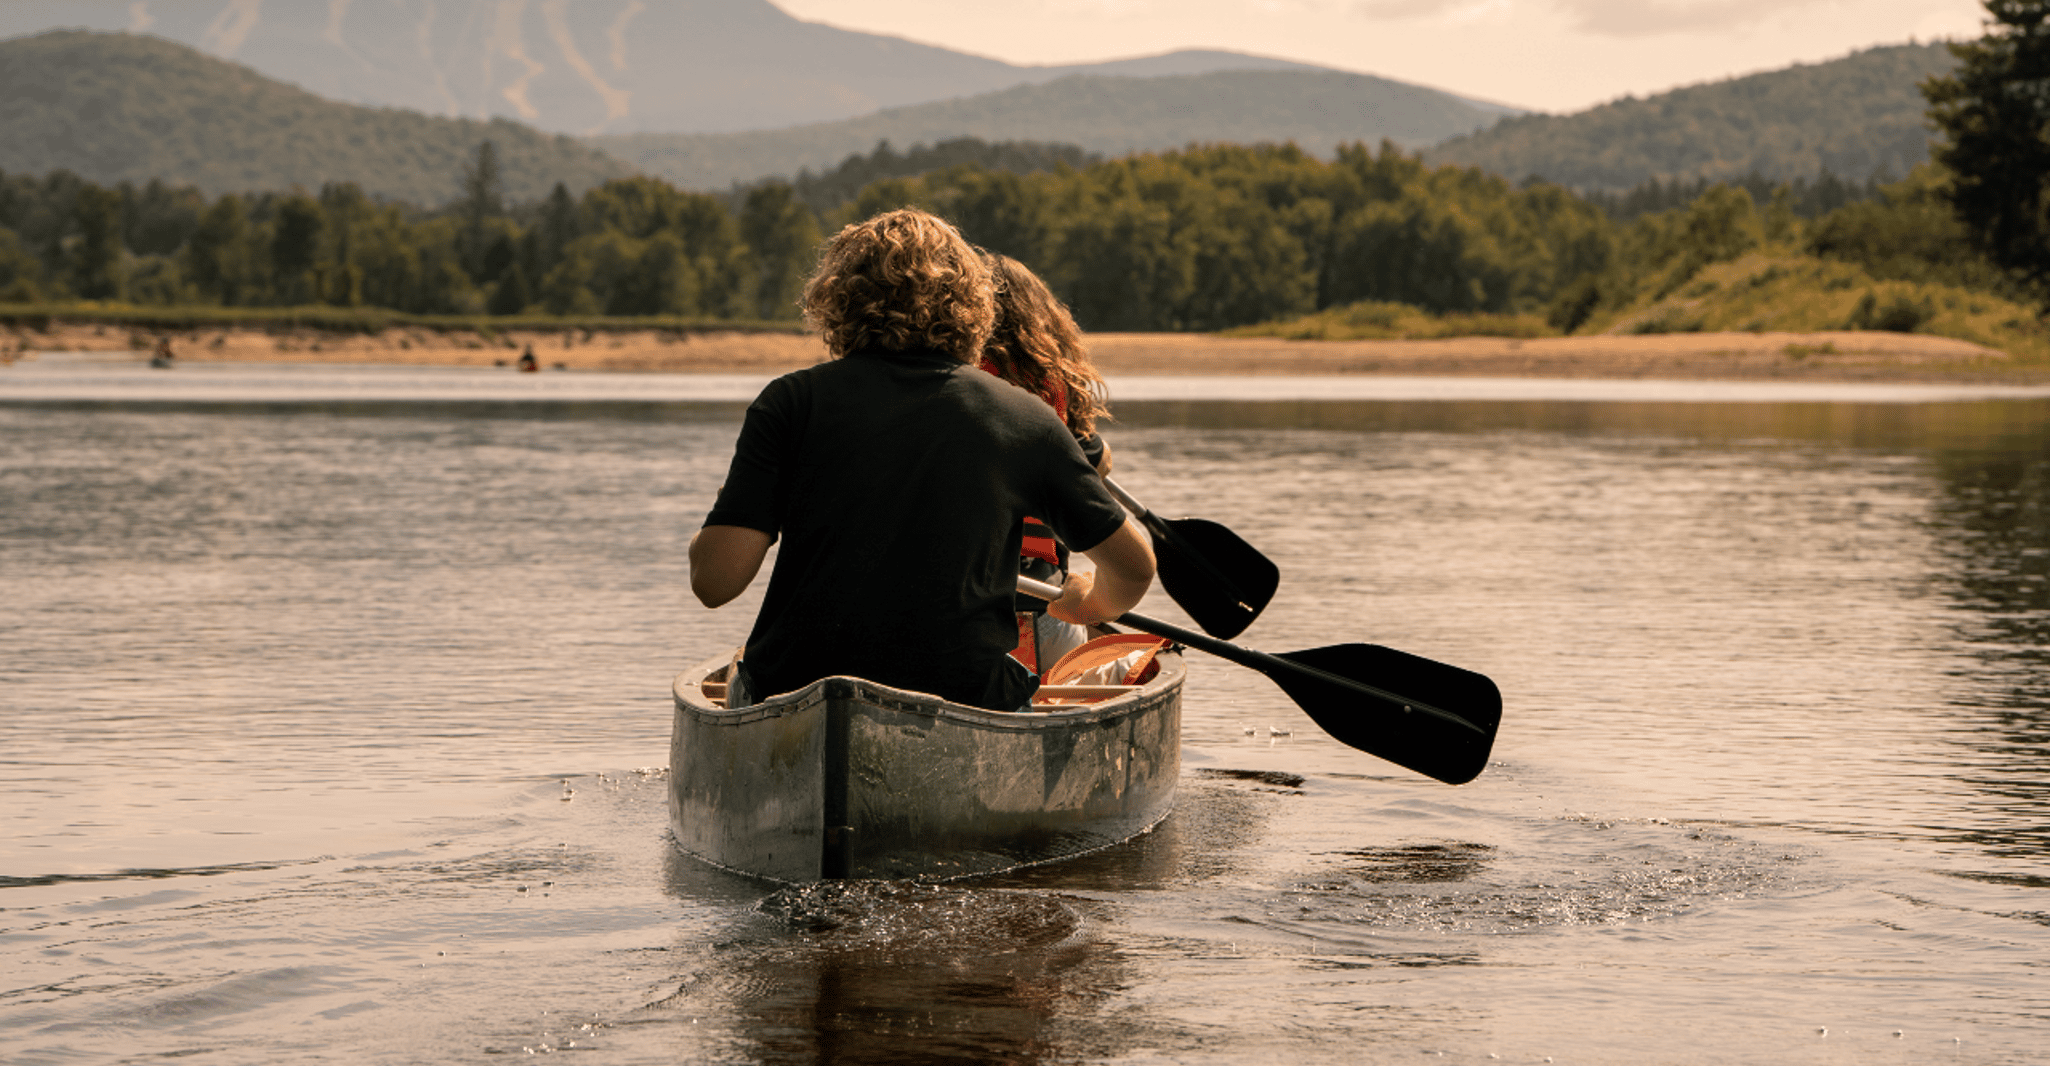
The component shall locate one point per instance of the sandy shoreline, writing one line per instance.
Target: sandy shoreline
(1828, 356)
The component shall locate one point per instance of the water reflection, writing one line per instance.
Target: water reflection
(1857, 425)
(1994, 518)
(889, 972)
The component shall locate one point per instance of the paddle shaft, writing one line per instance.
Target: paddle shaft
(1146, 518)
(1253, 659)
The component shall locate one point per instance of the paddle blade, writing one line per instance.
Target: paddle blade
(1397, 730)
(1219, 579)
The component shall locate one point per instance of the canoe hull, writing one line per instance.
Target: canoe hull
(848, 778)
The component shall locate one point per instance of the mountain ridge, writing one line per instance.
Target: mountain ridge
(123, 107)
(589, 65)
(1856, 116)
(1103, 114)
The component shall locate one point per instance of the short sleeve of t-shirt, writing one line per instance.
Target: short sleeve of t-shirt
(1078, 507)
(749, 498)
(1092, 448)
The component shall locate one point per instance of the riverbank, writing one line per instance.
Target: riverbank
(1821, 356)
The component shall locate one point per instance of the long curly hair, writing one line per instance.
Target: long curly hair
(901, 280)
(1037, 342)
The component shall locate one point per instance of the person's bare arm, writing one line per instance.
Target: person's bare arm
(1124, 570)
(723, 559)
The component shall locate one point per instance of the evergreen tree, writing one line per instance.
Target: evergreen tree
(347, 212)
(1994, 117)
(511, 295)
(483, 200)
(557, 228)
(295, 250)
(96, 265)
(216, 255)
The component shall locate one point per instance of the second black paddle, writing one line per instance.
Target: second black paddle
(1417, 713)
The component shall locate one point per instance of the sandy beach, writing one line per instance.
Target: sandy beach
(1822, 356)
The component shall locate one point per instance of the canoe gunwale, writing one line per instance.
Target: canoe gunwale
(690, 698)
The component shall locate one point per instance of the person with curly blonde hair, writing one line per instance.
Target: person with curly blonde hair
(897, 477)
(901, 280)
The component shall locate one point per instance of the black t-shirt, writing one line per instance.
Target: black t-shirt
(898, 483)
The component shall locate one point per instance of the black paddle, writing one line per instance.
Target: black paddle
(1217, 577)
(1417, 713)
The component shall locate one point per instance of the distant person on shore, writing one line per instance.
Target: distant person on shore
(163, 356)
(527, 361)
(1037, 346)
(898, 478)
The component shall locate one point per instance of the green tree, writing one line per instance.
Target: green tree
(347, 213)
(1993, 116)
(1416, 250)
(157, 279)
(997, 209)
(96, 272)
(218, 257)
(511, 294)
(482, 201)
(295, 250)
(1910, 234)
(782, 239)
(21, 273)
(157, 219)
(1722, 225)
(541, 246)
(387, 251)
(659, 280)
(440, 285)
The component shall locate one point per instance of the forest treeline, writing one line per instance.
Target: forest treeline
(1203, 239)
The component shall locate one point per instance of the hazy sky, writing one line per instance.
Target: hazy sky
(1552, 55)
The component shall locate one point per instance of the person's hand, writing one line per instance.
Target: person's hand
(1103, 464)
(1070, 608)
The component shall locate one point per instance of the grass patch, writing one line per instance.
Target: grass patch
(1374, 320)
(1794, 293)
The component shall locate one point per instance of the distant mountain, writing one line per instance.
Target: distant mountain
(116, 107)
(1111, 115)
(1853, 116)
(583, 66)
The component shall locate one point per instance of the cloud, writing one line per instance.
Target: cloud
(1646, 18)
(1612, 18)
(1407, 9)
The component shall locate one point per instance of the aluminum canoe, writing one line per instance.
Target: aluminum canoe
(849, 778)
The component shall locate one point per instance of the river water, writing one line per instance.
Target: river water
(334, 714)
